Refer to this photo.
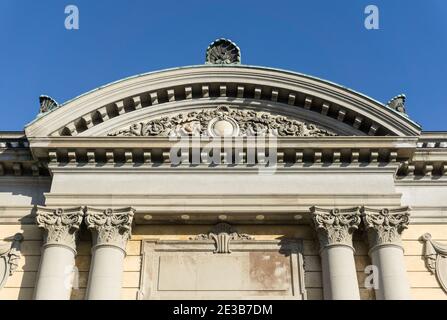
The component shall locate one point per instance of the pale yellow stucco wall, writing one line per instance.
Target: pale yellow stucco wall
(423, 285)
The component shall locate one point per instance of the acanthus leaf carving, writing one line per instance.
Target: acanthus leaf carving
(9, 257)
(335, 226)
(435, 255)
(60, 225)
(222, 234)
(111, 226)
(385, 226)
(232, 122)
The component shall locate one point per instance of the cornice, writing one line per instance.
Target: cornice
(154, 90)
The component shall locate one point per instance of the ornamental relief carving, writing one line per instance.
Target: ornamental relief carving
(335, 226)
(224, 121)
(435, 255)
(222, 234)
(9, 257)
(111, 226)
(385, 225)
(60, 225)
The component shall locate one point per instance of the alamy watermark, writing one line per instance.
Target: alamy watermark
(372, 18)
(257, 151)
(72, 19)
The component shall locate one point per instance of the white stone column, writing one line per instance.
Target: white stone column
(57, 263)
(335, 228)
(111, 229)
(384, 228)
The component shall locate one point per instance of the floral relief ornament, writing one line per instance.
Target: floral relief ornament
(248, 122)
(385, 225)
(61, 225)
(335, 226)
(222, 234)
(112, 226)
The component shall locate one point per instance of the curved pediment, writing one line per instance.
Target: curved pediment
(171, 93)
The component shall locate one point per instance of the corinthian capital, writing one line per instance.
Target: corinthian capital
(110, 226)
(335, 226)
(60, 225)
(385, 226)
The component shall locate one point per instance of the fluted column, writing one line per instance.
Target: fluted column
(111, 229)
(335, 228)
(384, 227)
(54, 280)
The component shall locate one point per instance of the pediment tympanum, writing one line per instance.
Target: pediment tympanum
(223, 121)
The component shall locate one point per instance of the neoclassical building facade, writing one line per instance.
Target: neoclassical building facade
(221, 181)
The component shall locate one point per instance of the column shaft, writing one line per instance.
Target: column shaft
(339, 274)
(385, 227)
(393, 283)
(110, 231)
(105, 279)
(335, 228)
(54, 277)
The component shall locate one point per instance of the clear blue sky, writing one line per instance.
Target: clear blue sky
(323, 38)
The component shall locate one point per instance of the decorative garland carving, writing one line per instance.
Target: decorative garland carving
(222, 234)
(385, 225)
(435, 255)
(335, 226)
(111, 226)
(61, 225)
(242, 123)
(9, 258)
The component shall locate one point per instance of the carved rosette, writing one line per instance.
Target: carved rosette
(222, 234)
(60, 225)
(435, 255)
(110, 226)
(9, 257)
(385, 226)
(335, 226)
(223, 121)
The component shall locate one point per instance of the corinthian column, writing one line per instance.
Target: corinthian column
(335, 228)
(54, 280)
(111, 229)
(384, 234)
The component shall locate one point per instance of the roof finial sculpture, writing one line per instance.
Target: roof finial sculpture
(47, 104)
(397, 103)
(223, 51)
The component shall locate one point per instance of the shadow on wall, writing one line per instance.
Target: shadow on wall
(23, 190)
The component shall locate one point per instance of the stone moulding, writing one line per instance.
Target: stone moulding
(171, 88)
(240, 123)
(385, 226)
(222, 234)
(435, 255)
(9, 257)
(111, 226)
(60, 225)
(335, 226)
